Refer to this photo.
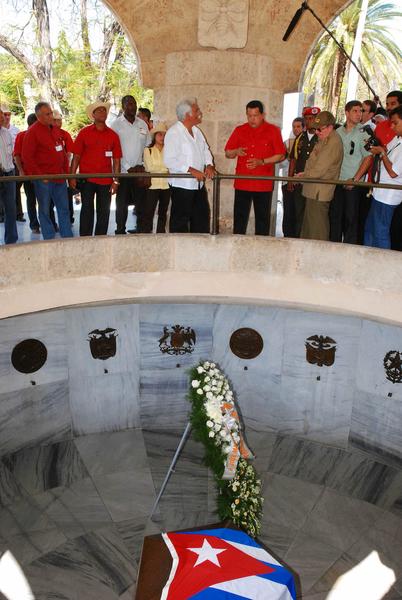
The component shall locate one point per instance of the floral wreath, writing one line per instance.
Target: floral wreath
(217, 425)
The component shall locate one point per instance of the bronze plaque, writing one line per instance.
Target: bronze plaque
(246, 343)
(29, 356)
(393, 366)
(320, 350)
(102, 343)
(177, 340)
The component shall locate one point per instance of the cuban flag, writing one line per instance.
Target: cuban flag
(223, 564)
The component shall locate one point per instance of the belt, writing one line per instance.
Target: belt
(8, 172)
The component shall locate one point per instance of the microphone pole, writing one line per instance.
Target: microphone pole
(293, 24)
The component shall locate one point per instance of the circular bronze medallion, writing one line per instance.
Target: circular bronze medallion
(246, 343)
(29, 356)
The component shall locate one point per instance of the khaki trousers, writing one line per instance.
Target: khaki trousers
(316, 220)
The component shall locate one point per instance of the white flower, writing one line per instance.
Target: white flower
(200, 392)
(212, 365)
(195, 383)
(217, 426)
(227, 449)
(207, 379)
(206, 365)
(207, 388)
(200, 369)
(223, 433)
(209, 395)
(209, 424)
(211, 434)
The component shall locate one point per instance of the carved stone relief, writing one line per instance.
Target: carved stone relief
(223, 24)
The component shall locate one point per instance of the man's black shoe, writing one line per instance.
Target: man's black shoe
(21, 219)
(132, 231)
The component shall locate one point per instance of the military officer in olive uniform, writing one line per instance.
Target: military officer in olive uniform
(301, 150)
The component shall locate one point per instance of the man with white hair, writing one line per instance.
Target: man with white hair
(186, 151)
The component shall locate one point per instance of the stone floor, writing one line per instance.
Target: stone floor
(74, 514)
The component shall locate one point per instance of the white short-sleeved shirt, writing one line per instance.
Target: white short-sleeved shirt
(134, 137)
(182, 151)
(6, 150)
(388, 196)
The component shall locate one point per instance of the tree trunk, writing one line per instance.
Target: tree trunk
(110, 33)
(44, 68)
(337, 82)
(85, 33)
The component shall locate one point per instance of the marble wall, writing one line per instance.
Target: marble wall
(348, 404)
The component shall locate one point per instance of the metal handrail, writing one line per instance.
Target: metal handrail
(215, 183)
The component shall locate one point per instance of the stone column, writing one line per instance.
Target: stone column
(223, 82)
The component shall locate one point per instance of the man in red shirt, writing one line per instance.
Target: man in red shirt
(258, 145)
(44, 153)
(28, 185)
(96, 150)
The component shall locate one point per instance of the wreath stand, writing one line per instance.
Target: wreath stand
(176, 456)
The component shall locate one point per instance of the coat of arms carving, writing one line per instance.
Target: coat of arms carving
(177, 340)
(320, 350)
(102, 343)
(393, 366)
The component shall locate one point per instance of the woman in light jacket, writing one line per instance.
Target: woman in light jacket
(159, 192)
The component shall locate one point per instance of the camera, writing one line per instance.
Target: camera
(372, 140)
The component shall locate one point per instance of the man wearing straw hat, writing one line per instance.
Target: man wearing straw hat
(96, 150)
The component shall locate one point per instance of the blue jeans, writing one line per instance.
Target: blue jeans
(45, 192)
(7, 198)
(378, 224)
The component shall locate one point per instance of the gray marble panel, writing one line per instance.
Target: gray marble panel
(127, 494)
(376, 341)
(163, 398)
(95, 566)
(339, 520)
(105, 403)
(75, 510)
(112, 452)
(45, 467)
(40, 414)
(348, 473)
(10, 487)
(341, 566)
(28, 547)
(123, 318)
(316, 402)
(255, 382)
(377, 426)
(153, 319)
(310, 558)
(49, 328)
(132, 532)
(23, 517)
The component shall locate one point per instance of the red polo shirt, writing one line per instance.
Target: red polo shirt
(43, 150)
(260, 142)
(18, 143)
(384, 132)
(96, 149)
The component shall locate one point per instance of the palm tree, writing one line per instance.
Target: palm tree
(379, 60)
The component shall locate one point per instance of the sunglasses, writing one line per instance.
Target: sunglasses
(352, 148)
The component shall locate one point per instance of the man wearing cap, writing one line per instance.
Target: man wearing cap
(7, 188)
(134, 137)
(301, 150)
(324, 163)
(44, 153)
(96, 150)
(257, 145)
(345, 206)
(186, 151)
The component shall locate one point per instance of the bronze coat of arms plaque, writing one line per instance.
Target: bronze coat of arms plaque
(246, 343)
(320, 350)
(177, 340)
(102, 343)
(29, 356)
(393, 366)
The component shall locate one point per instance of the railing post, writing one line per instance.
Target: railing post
(216, 186)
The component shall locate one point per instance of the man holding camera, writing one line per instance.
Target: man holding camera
(385, 201)
(344, 208)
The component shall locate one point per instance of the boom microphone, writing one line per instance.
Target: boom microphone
(295, 20)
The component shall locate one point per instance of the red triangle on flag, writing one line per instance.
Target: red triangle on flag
(205, 560)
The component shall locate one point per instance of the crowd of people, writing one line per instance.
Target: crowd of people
(366, 146)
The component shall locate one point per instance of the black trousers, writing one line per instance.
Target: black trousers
(289, 212)
(127, 195)
(89, 191)
(396, 229)
(262, 211)
(146, 211)
(344, 215)
(190, 211)
(31, 205)
(364, 209)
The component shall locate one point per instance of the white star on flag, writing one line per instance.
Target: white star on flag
(207, 552)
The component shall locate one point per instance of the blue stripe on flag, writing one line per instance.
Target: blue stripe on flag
(212, 594)
(230, 535)
(282, 576)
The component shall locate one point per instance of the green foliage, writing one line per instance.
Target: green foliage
(12, 76)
